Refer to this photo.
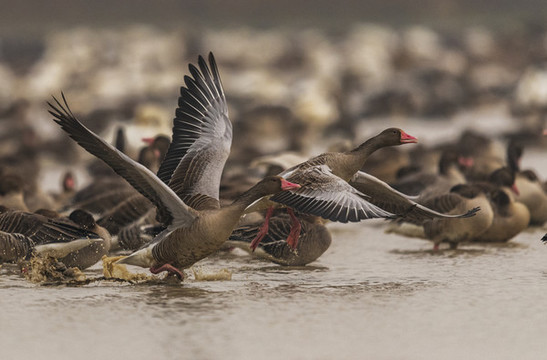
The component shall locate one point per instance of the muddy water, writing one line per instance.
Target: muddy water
(371, 295)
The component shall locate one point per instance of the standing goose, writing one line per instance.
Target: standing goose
(11, 192)
(510, 218)
(186, 190)
(459, 199)
(530, 189)
(448, 175)
(325, 191)
(408, 210)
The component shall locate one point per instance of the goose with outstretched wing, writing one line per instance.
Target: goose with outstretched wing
(185, 191)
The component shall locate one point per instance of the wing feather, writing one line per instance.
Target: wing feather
(175, 212)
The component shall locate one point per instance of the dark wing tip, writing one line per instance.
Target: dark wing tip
(471, 212)
(544, 239)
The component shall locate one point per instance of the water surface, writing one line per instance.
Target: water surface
(371, 295)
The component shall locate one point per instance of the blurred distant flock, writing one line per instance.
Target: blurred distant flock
(326, 80)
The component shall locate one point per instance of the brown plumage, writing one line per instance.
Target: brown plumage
(23, 234)
(510, 218)
(314, 240)
(454, 231)
(191, 170)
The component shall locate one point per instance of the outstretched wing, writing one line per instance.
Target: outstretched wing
(384, 196)
(202, 136)
(175, 212)
(326, 195)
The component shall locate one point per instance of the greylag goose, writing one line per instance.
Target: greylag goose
(530, 189)
(125, 220)
(68, 185)
(459, 199)
(407, 209)
(314, 240)
(510, 218)
(11, 192)
(101, 195)
(152, 155)
(325, 194)
(89, 255)
(487, 155)
(325, 191)
(134, 236)
(23, 234)
(186, 189)
(135, 209)
(449, 174)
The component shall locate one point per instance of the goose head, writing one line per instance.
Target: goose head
(396, 136)
(504, 177)
(274, 185)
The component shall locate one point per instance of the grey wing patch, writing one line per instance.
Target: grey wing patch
(42, 230)
(198, 175)
(14, 247)
(328, 196)
(202, 135)
(444, 203)
(175, 212)
(129, 211)
(381, 194)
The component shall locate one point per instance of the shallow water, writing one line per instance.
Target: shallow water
(371, 295)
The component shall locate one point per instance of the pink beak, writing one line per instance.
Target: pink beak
(545, 132)
(286, 185)
(149, 140)
(515, 189)
(466, 162)
(70, 183)
(407, 139)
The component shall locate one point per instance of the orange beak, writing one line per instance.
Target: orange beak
(515, 189)
(286, 185)
(148, 140)
(407, 139)
(466, 162)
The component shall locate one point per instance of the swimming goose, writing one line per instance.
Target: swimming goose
(186, 189)
(24, 234)
(313, 241)
(91, 254)
(325, 191)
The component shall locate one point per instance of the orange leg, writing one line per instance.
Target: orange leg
(292, 239)
(263, 229)
(169, 268)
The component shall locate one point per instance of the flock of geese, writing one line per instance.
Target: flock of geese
(168, 210)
